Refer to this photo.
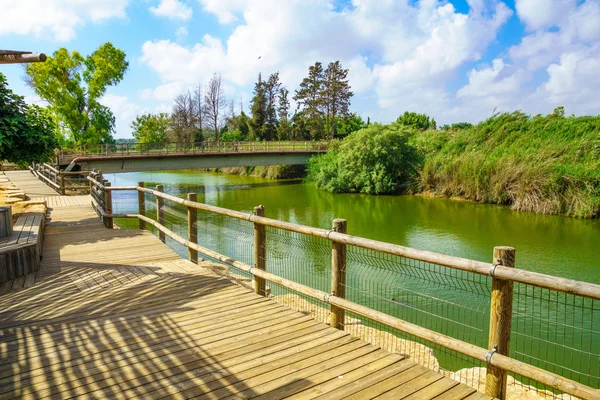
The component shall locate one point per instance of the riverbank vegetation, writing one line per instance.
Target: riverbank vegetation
(544, 164)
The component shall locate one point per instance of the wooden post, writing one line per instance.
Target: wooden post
(500, 322)
(108, 204)
(141, 206)
(192, 229)
(93, 175)
(260, 252)
(62, 184)
(338, 274)
(160, 214)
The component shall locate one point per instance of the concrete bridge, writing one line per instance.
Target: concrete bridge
(129, 157)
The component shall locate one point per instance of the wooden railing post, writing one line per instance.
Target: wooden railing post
(141, 206)
(62, 184)
(500, 323)
(93, 175)
(160, 213)
(108, 205)
(338, 274)
(192, 228)
(260, 252)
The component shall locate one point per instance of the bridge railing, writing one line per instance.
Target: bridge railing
(61, 181)
(489, 325)
(126, 149)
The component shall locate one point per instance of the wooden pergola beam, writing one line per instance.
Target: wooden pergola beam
(20, 57)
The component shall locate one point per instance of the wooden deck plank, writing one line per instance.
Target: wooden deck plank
(360, 376)
(456, 393)
(138, 321)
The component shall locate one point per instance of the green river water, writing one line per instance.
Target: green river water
(552, 245)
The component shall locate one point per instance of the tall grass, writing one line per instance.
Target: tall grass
(548, 165)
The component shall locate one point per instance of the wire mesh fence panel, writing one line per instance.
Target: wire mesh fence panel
(558, 332)
(231, 237)
(300, 258)
(448, 301)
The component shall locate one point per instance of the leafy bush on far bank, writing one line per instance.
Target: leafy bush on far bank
(376, 160)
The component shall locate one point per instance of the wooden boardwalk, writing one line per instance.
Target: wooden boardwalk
(30, 184)
(117, 314)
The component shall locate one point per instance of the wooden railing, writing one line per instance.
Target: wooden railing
(61, 181)
(127, 149)
(502, 271)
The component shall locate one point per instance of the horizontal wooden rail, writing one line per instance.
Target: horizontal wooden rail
(98, 184)
(51, 168)
(49, 181)
(570, 286)
(506, 363)
(116, 188)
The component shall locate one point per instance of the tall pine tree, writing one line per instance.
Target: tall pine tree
(335, 95)
(258, 110)
(284, 130)
(272, 87)
(309, 98)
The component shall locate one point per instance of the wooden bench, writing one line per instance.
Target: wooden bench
(20, 253)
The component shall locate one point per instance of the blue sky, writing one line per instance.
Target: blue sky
(457, 61)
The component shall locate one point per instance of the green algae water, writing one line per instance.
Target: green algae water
(553, 245)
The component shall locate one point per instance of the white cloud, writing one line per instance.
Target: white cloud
(225, 10)
(164, 92)
(491, 81)
(174, 9)
(543, 13)
(124, 110)
(58, 18)
(178, 64)
(181, 32)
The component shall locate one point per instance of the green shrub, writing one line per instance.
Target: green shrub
(420, 122)
(374, 160)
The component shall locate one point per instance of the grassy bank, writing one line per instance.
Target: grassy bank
(544, 164)
(270, 172)
(548, 165)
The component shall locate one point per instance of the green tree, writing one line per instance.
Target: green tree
(416, 121)
(309, 98)
(457, 126)
(272, 87)
(151, 128)
(240, 125)
(284, 129)
(349, 124)
(335, 95)
(26, 132)
(375, 160)
(258, 110)
(74, 85)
